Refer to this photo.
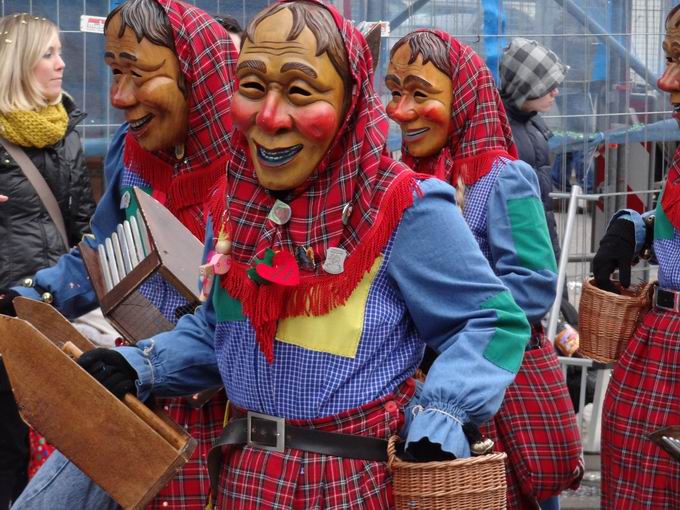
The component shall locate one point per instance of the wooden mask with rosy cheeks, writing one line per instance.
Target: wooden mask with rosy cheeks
(292, 93)
(670, 80)
(419, 78)
(147, 83)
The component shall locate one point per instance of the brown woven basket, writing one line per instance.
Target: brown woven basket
(608, 320)
(464, 484)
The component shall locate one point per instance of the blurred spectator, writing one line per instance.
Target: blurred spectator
(40, 119)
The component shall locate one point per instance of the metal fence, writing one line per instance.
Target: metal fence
(606, 120)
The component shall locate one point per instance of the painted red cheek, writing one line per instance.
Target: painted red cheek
(316, 121)
(435, 112)
(390, 109)
(243, 112)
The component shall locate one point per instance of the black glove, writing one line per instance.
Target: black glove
(111, 369)
(426, 451)
(6, 306)
(617, 249)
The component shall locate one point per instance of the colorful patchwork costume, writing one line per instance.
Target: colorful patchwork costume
(500, 200)
(336, 352)
(644, 392)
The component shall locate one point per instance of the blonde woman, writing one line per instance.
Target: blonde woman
(40, 119)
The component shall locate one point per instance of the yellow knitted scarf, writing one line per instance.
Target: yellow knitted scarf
(35, 128)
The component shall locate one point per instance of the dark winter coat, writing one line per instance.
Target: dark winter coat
(531, 138)
(29, 239)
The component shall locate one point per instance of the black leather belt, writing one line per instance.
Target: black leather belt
(667, 299)
(274, 434)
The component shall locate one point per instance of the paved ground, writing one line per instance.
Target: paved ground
(588, 494)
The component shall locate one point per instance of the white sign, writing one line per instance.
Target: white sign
(94, 24)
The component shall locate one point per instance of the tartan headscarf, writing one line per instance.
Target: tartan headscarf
(529, 71)
(670, 200)
(479, 131)
(207, 59)
(354, 172)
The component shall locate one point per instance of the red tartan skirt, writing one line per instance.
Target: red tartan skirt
(643, 395)
(255, 479)
(190, 489)
(536, 426)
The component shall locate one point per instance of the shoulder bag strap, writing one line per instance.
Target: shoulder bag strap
(41, 187)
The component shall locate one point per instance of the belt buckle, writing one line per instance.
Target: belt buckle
(265, 432)
(669, 299)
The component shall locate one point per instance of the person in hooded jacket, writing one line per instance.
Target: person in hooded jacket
(40, 119)
(530, 75)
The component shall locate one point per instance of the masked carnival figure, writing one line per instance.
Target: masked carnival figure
(644, 392)
(454, 128)
(339, 272)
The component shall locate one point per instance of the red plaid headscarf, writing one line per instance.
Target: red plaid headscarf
(207, 58)
(480, 132)
(353, 173)
(670, 200)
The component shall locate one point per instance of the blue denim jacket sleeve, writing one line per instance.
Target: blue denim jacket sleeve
(181, 361)
(67, 280)
(461, 309)
(519, 240)
(178, 362)
(639, 222)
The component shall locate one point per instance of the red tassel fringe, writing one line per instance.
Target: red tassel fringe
(317, 295)
(474, 168)
(184, 192)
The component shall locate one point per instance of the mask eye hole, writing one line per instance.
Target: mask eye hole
(253, 86)
(299, 90)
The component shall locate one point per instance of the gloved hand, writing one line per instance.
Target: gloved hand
(617, 249)
(6, 306)
(426, 451)
(111, 369)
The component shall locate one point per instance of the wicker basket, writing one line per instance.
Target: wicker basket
(607, 320)
(464, 484)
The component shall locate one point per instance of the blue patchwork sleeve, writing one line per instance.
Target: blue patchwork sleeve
(463, 311)
(181, 361)
(519, 241)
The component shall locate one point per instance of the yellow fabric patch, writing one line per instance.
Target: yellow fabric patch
(339, 331)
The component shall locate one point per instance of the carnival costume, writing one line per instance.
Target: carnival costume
(331, 342)
(536, 424)
(206, 56)
(644, 391)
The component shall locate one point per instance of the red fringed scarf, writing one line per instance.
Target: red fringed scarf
(480, 132)
(354, 173)
(207, 59)
(670, 200)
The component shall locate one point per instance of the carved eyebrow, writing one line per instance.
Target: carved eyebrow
(417, 80)
(393, 78)
(129, 56)
(109, 54)
(298, 66)
(257, 65)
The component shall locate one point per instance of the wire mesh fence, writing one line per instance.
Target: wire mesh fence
(608, 121)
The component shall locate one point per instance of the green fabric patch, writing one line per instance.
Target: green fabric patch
(506, 348)
(226, 307)
(266, 259)
(663, 228)
(530, 234)
(133, 205)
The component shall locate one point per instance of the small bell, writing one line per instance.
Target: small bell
(179, 151)
(223, 244)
